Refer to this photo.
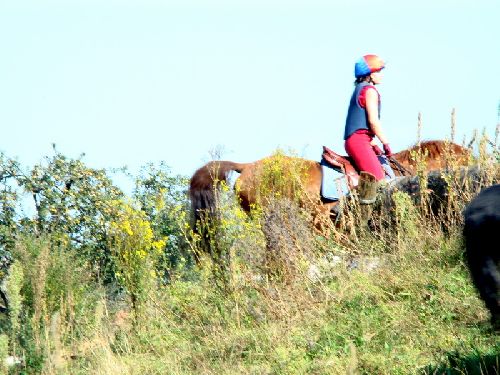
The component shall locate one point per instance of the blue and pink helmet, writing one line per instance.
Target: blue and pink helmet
(367, 65)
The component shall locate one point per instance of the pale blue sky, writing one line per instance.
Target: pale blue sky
(132, 82)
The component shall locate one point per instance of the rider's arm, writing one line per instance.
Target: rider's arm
(372, 111)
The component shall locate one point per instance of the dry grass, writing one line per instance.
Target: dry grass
(397, 300)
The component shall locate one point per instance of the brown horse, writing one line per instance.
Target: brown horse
(434, 155)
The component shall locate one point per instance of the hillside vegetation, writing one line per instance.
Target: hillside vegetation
(101, 283)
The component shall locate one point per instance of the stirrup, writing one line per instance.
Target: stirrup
(367, 201)
(338, 213)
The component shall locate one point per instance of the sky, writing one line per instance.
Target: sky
(133, 82)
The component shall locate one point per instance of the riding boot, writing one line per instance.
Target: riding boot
(367, 192)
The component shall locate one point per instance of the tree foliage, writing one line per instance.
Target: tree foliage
(59, 196)
(162, 197)
(74, 204)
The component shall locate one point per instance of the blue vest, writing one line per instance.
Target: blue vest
(357, 117)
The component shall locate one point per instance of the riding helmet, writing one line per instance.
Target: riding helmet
(368, 64)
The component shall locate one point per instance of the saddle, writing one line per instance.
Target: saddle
(343, 164)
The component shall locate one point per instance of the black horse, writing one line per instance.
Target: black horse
(481, 230)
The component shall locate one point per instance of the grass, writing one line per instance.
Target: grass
(417, 312)
(396, 301)
(405, 317)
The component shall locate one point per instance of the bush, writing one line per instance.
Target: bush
(135, 253)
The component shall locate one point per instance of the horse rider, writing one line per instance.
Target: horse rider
(363, 118)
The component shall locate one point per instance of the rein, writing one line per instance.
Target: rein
(399, 167)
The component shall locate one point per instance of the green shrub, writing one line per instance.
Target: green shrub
(4, 352)
(14, 284)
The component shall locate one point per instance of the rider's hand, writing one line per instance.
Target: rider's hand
(387, 149)
(377, 150)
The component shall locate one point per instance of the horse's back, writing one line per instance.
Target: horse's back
(436, 154)
(252, 178)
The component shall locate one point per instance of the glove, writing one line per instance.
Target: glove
(387, 150)
(377, 150)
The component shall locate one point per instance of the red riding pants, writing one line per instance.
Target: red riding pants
(359, 149)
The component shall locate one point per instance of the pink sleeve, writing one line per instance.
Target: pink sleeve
(362, 95)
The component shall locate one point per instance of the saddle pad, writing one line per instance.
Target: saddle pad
(333, 184)
(389, 173)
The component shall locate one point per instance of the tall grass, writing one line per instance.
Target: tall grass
(397, 300)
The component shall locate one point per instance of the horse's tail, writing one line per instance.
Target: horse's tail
(204, 182)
